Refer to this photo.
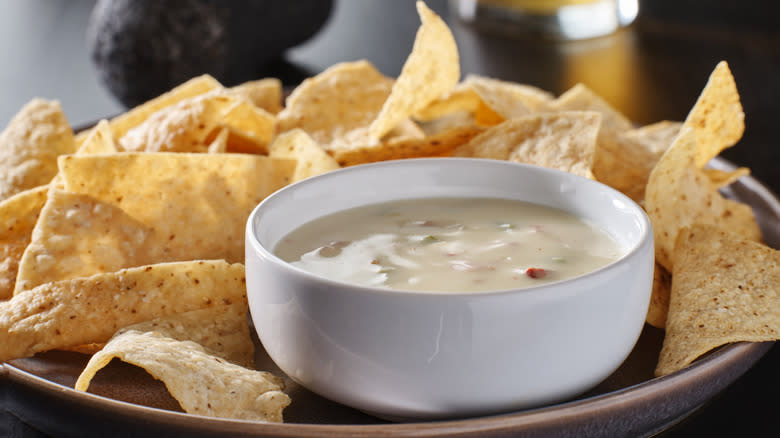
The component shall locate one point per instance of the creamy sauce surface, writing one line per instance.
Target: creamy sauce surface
(449, 245)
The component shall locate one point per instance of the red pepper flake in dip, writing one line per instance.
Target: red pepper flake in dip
(536, 272)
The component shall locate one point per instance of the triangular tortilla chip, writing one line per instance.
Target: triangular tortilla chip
(431, 70)
(30, 145)
(659, 297)
(724, 289)
(508, 99)
(130, 119)
(310, 156)
(680, 194)
(564, 141)
(73, 312)
(393, 148)
(18, 215)
(188, 206)
(717, 117)
(263, 93)
(222, 330)
(202, 383)
(191, 124)
(343, 98)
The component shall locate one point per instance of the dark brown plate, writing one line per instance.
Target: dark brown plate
(125, 401)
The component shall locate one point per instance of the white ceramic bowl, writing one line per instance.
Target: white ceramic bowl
(415, 355)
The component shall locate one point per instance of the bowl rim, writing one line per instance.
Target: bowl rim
(546, 289)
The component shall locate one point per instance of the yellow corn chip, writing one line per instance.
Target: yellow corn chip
(251, 128)
(724, 289)
(91, 309)
(134, 117)
(455, 120)
(655, 137)
(659, 298)
(624, 160)
(462, 98)
(722, 178)
(582, 98)
(99, 141)
(18, 215)
(679, 194)
(187, 206)
(222, 330)
(30, 145)
(564, 141)
(311, 157)
(219, 144)
(263, 93)
(618, 160)
(191, 125)
(393, 148)
(461, 103)
(717, 117)
(202, 383)
(343, 98)
(430, 71)
(508, 99)
(77, 236)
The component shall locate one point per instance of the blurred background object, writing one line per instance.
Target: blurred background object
(142, 48)
(548, 19)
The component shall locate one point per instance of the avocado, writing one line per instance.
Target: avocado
(142, 48)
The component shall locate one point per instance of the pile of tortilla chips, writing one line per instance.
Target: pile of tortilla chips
(129, 236)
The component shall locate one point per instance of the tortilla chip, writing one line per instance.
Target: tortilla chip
(79, 311)
(263, 93)
(724, 290)
(191, 125)
(717, 117)
(508, 99)
(222, 330)
(30, 145)
(462, 98)
(655, 138)
(659, 298)
(722, 178)
(99, 141)
(250, 129)
(462, 104)
(624, 160)
(77, 236)
(679, 194)
(187, 206)
(219, 144)
(394, 148)
(18, 215)
(564, 141)
(430, 71)
(456, 120)
(582, 98)
(201, 382)
(343, 98)
(618, 159)
(128, 120)
(311, 157)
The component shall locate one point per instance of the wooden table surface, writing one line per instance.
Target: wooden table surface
(652, 71)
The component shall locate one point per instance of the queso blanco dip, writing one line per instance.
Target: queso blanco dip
(449, 245)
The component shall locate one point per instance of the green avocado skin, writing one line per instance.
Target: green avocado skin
(142, 48)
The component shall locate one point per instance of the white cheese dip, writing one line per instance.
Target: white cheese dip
(449, 245)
